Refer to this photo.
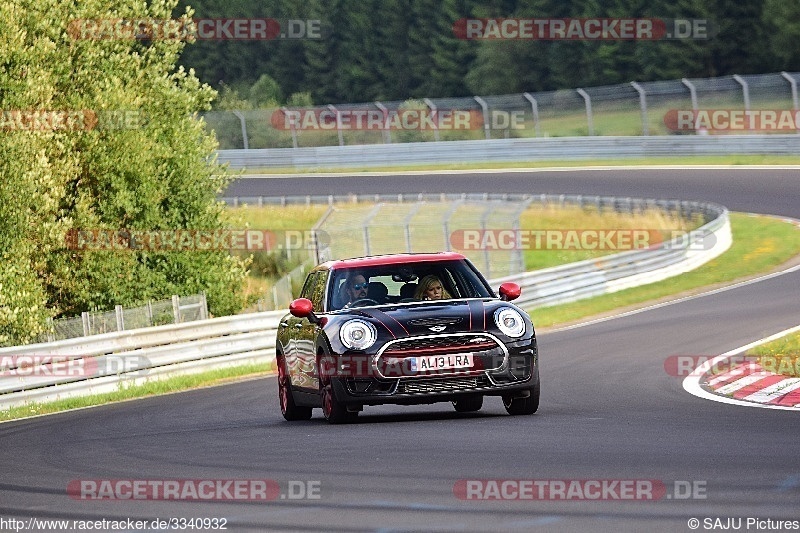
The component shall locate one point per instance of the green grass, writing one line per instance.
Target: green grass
(678, 161)
(589, 218)
(781, 356)
(759, 245)
(151, 388)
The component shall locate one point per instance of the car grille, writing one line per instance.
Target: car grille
(410, 386)
(440, 345)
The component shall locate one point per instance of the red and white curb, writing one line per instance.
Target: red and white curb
(747, 383)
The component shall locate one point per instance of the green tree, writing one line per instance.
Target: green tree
(146, 164)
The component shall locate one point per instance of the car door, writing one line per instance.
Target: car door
(307, 332)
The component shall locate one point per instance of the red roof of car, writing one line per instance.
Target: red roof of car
(394, 259)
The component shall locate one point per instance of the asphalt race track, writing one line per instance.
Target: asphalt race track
(609, 411)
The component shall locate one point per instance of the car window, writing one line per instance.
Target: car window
(400, 282)
(314, 289)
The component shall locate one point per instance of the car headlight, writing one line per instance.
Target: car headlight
(357, 334)
(510, 322)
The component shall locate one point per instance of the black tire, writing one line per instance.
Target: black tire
(289, 410)
(468, 404)
(334, 411)
(524, 406)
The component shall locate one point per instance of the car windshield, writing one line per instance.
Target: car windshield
(403, 283)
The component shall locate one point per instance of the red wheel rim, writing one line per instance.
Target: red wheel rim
(282, 387)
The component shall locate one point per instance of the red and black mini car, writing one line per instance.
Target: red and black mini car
(404, 329)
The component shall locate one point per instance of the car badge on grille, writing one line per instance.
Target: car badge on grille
(437, 329)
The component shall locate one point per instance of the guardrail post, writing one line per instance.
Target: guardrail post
(588, 101)
(642, 106)
(176, 309)
(535, 112)
(244, 129)
(485, 108)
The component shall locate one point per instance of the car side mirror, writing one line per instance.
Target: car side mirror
(303, 308)
(509, 291)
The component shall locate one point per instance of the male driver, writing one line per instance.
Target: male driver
(356, 287)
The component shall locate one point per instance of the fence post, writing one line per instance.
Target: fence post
(51, 330)
(745, 91)
(793, 83)
(120, 318)
(338, 123)
(588, 102)
(485, 108)
(149, 312)
(176, 309)
(535, 112)
(642, 106)
(387, 133)
(292, 127)
(692, 92)
(244, 129)
(431, 105)
(85, 321)
(366, 223)
(203, 306)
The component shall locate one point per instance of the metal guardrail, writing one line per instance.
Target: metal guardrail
(112, 360)
(510, 150)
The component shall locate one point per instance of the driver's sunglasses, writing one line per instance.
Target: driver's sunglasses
(360, 286)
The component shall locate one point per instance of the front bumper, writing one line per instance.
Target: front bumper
(513, 374)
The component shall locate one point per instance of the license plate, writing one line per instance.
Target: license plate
(441, 362)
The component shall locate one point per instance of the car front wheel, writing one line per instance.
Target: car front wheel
(334, 411)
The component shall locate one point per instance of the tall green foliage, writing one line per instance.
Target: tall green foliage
(150, 168)
(399, 49)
